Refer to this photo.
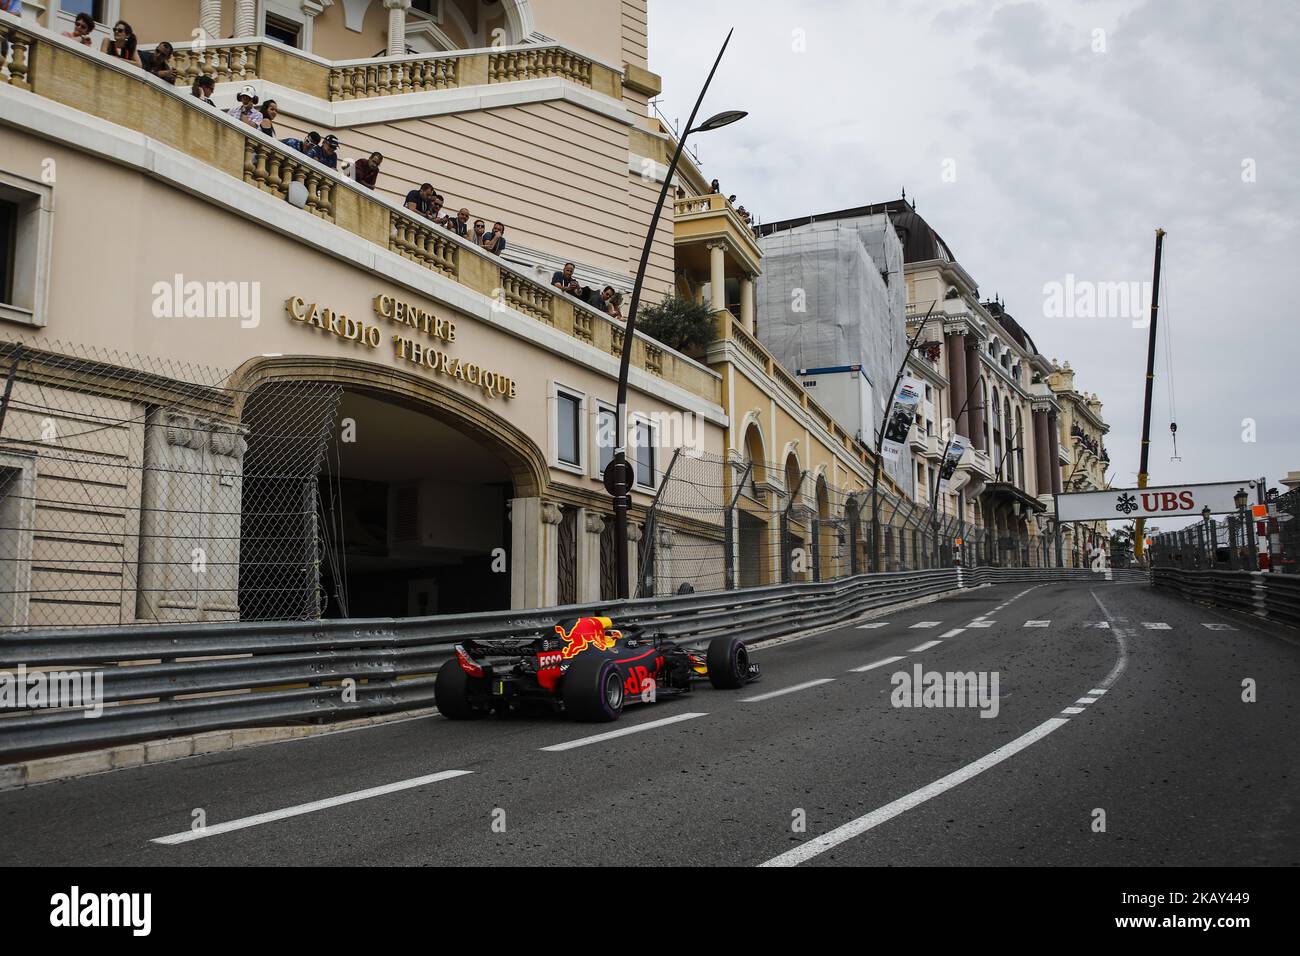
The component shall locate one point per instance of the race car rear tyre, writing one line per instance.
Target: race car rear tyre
(593, 689)
(453, 689)
(728, 662)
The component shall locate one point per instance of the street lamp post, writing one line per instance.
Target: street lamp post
(1209, 535)
(618, 474)
(1240, 499)
(880, 442)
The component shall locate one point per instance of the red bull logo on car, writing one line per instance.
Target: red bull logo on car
(586, 632)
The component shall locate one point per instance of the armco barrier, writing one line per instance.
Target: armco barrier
(167, 680)
(1268, 595)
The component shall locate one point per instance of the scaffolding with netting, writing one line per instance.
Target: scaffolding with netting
(135, 489)
(721, 522)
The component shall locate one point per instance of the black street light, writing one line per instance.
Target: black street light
(618, 474)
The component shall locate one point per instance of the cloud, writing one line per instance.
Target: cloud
(1067, 160)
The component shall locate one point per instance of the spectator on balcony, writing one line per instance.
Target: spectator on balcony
(82, 28)
(565, 282)
(327, 152)
(304, 145)
(612, 302)
(122, 43)
(496, 239)
(459, 225)
(159, 62)
(246, 110)
(367, 170)
(202, 89)
(270, 110)
(714, 187)
(479, 233)
(420, 201)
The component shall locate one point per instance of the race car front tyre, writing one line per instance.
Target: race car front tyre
(593, 689)
(454, 688)
(728, 662)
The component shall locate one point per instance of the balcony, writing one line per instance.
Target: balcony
(45, 66)
(700, 220)
(239, 61)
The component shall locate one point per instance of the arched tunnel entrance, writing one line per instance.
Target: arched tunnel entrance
(364, 496)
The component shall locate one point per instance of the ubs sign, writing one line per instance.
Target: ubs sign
(1121, 503)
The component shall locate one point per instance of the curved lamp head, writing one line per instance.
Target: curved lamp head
(719, 120)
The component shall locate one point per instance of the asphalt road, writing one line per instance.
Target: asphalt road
(1139, 724)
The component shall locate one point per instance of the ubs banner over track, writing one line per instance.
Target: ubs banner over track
(1116, 504)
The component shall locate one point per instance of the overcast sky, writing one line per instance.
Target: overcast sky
(1068, 131)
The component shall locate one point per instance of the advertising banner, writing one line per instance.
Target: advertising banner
(1117, 504)
(956, 448)
(901, 416)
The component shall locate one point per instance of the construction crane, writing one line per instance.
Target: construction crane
(1139, 526)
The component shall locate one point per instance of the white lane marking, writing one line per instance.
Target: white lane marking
(981, 623)
(1120, 639)
(1103, 625)
(185, 836)
(1037, 623)
(874, 664)
(923, 647)
(953, 633)
(1156, 626)
(924, 624)
(886, 813)
(1086, 700)
(1073, 710)
(623, 732)
(1215, 626)
(786, 690)
(1097, 691)
(864, 627)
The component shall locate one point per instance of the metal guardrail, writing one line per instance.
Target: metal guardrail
(169, 680)
(1265, 594)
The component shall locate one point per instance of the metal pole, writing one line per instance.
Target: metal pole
(1139, 526)
(880, 441)
(620, 485)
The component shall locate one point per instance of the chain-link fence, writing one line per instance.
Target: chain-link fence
(1236, 542)
(721, 522)
(141, 490)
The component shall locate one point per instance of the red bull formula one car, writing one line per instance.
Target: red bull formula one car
(587, 668)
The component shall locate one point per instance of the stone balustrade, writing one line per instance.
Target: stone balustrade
(241, 61)
(527, 297)
(543, 62)
(386, 79)
(225, 64)
(431, 246)
(271, 168)
(16, 58)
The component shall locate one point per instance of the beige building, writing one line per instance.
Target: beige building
(245, 386)
(1088, 463)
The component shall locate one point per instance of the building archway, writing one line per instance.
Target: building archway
(366, 495)
(754, 558)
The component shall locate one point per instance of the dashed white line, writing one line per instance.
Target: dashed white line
(953, 633)
(186, 836)
(1215, 626)
(886, 813)
(1086, 700)
(981, 623)
(623, 732)
(924, 624)
(923, 647)
(786, 690)
(874, 664)
(1096, 691)
(873, 624)
(1073, 710)
(1156, 626)
(1037, 623)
